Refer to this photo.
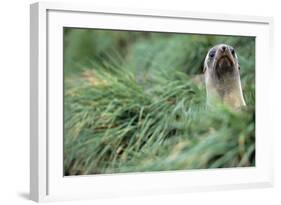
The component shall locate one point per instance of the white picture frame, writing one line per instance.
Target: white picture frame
(47, 182)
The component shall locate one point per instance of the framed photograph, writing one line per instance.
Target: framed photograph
(130, 102)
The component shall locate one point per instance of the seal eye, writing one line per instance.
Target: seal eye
(212, 53)
(232, 51)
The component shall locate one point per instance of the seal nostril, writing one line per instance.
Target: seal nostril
(223, 48)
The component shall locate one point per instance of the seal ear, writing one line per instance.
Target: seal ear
(204, 69)
(204, 64)
(238, 66)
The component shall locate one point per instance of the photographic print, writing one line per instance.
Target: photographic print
(142, 101)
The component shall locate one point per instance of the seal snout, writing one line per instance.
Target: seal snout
(225, 62)
(224, 58)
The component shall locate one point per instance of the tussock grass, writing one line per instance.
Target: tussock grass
(137, 109)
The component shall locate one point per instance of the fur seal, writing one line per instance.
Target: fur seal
(222, 77)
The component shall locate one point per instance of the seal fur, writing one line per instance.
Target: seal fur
(222, 77)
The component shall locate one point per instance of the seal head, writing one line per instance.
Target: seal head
(222, 76)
